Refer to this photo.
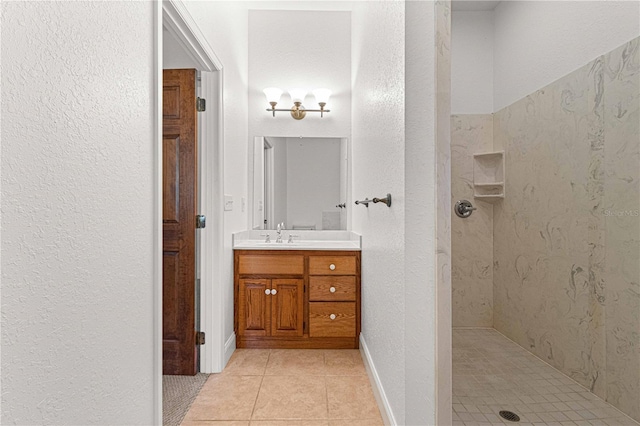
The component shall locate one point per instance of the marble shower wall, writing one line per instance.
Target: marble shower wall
(471, 238)
(622, 226)
(567, 236)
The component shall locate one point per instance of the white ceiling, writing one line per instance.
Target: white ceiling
(473, 5)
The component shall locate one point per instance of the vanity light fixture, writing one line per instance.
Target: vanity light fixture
(298, 111)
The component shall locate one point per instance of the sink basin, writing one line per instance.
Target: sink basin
(297, 245)
(303, 240)
(272, 243)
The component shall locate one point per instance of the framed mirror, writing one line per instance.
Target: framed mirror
(301, 182)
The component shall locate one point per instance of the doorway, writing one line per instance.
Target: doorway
(181, 45)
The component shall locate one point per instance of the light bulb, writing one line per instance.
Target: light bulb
(322, 95)
(273, 94)
(297, 95)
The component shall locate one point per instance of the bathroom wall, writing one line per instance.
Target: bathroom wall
(378, 167)
(537, 42)
(472, 62)
(621, 206)
(472, 237)
(297, 48)
(77, 214)
(399, 78)
(566, 237)
(471, 132)
(318, 56)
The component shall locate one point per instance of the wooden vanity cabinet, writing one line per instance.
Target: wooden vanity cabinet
(297, 299)
(271, 307)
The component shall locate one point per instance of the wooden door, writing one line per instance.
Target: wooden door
(254, 307)
(179, 158)
(287, 307)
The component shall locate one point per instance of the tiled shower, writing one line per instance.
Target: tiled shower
(555, 265)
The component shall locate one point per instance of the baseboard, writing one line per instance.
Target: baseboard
(229, 348)
(467, 327)
(378, 390)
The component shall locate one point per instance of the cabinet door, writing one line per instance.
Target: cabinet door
(254, 307)
(287, 305)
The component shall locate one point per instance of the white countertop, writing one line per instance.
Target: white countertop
(304, 240)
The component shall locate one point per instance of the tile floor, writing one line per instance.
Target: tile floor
(492, 373)
(271, 387)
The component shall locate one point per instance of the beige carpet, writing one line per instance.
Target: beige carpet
(178, 393)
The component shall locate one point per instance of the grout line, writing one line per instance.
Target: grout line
(326, 387)
(253, 410)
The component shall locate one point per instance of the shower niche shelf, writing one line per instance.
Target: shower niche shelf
(488, 176)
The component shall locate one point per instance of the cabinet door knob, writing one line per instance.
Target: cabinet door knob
(274, 291)
(332, 267)
(267, 292)
(332, 316)
(332, 289)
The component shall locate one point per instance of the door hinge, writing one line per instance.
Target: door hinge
(201, 104)
(200, 338)
(201, 221)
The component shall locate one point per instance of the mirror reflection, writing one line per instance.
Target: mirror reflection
(301, 182)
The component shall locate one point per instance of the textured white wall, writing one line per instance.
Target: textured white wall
(378, 167)
(537, 42)
(427, 218)
(300, 49)
(77, 219)
(224, 25)
(472, 62)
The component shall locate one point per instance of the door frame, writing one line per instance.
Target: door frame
(173, 15)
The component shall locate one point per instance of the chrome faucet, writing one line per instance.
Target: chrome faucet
(279, 230)
(267, 238)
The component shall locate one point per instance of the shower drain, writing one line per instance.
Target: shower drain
(508, 415)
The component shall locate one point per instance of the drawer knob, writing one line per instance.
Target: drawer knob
(267, 291)
(332, 267)
(332, 289)
(274, 291)
(332, 316)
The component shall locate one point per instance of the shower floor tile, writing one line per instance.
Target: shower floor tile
(491, 373)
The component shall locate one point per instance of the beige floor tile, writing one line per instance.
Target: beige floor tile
(356, 422)
(225, 397)
(351, 398)
(291, 397)
(295, 362)
(289, 423)
(247, 362)
(344, 362)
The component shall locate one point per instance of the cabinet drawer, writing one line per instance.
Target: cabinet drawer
(332, 265)
(321, 323)
(332, 288)
(270, 264)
